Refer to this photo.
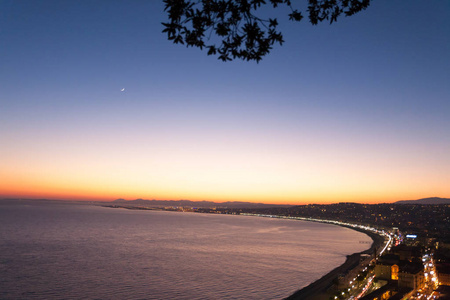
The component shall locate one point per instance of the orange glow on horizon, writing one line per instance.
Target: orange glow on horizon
(65, 193)
(281, 186)
(257, 171)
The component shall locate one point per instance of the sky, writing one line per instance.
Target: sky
(354, 111)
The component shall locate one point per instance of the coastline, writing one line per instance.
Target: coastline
(318, 290)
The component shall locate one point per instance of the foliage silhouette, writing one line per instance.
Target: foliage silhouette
(237, 31)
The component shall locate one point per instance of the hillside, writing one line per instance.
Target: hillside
(431, 200)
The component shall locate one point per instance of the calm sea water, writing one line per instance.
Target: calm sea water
(69, 251)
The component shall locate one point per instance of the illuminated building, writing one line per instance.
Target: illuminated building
(384, 267)
(412, 276)
(394, 272)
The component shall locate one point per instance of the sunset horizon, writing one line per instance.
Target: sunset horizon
(215, 200)
(354, 111)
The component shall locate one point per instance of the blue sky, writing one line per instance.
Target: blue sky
(357, 110)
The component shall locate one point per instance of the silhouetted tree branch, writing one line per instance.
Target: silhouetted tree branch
(231, 29)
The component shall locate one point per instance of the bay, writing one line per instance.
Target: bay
(53, 250)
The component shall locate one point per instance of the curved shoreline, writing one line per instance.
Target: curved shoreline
(317, 290)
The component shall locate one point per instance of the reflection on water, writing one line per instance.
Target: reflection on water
(51, 250)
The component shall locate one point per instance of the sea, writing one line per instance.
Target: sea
(59, 250)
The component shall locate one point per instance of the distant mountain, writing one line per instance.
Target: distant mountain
(189, 203)
(432, 200)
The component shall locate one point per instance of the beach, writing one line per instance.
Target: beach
(319, 289)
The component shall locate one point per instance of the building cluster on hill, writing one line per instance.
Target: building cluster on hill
(425, 220)
(399, 273)
(406, 272)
